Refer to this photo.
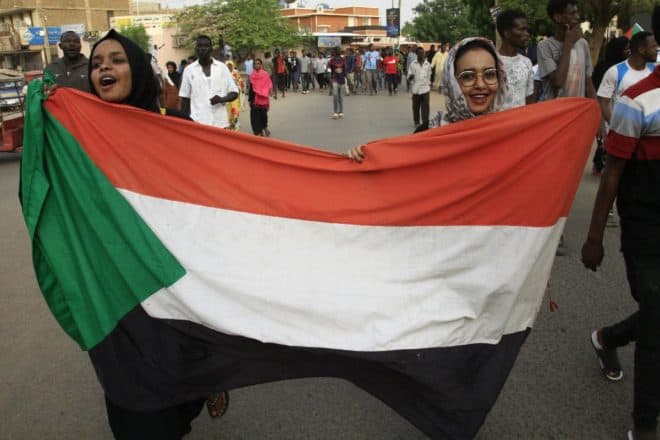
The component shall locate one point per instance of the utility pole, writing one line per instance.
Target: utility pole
(88, 16)
(398, 41)
(42, 21)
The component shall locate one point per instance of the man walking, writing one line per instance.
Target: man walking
(512, 27)
(390, 62)
(306, 68)
(632, 176)
(206, 86)
(370, 69)
(71, 69)
(419, 77)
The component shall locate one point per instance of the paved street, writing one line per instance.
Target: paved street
(48, 389)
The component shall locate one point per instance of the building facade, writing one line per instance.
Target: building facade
(20, 18)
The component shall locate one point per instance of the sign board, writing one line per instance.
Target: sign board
(392, 22)
(329, 41)
(35, 35)
(78, 28)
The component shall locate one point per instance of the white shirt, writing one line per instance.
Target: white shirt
(422, 82)
(519, 78)
(612, 87)
(200, 89)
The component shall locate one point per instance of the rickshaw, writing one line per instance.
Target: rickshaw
(12, 107)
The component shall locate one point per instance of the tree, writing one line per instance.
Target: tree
(252, 24)
(408, 29)
(481, 18)
(138, 34)
(442, 20)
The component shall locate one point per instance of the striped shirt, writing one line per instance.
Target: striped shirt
(635, 136)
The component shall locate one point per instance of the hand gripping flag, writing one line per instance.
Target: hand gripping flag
(188, 259)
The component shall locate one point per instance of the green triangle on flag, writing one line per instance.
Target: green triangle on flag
(633, 30)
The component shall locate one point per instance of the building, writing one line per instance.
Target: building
(163, 35)
(22, 38)
(329, 20)
(351, 25)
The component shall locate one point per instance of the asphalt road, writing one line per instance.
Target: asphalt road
(48, 389)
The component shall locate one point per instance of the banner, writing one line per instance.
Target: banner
(393, 17)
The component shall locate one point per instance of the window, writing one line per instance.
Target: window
(178, 40)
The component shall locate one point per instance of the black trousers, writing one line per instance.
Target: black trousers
(258, 119)
(420, 104)
(165, 424)
(643, 328)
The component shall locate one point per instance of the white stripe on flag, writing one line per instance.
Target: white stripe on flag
(364, 288)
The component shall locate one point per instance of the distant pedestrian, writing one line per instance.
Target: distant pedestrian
(306, 70)
(437, 64)
(337, 67)
(616, 51)
(319, 70)
(248, 64)
(235, 107)
(370, 69)
(391, 62)
(419, 77)
(279, 74)
(259, 98)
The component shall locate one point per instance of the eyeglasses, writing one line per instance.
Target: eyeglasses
(468, 78)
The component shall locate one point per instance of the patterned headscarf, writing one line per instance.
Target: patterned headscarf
(455, 104)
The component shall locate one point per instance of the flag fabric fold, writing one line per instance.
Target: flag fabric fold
(416, 275)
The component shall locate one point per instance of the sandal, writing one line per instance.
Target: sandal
(608, 359)
(217, 404)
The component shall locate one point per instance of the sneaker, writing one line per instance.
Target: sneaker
(341, 115)
(608, 360)
(561, 248)
(335, 116)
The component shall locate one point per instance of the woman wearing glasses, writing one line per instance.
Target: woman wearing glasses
(473, 84)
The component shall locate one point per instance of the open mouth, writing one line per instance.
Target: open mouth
(479, 98)
(107, 80)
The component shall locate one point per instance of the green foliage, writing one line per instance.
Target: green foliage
(252, 24)
(138, 34)
(443, 21)
(537, 17)
(408, 29)
(480, 17)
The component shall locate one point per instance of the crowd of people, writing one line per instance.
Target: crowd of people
(476, 79)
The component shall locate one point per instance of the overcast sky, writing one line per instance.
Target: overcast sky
(406, 5)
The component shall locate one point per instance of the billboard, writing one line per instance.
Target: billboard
(326, 41)
(34, 36)
(392, 22)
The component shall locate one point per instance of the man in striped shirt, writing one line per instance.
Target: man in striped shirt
(632, 176)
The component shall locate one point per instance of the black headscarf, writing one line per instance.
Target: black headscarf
(145, 90)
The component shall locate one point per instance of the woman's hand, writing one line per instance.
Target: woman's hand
(356, 153)
(49, 90)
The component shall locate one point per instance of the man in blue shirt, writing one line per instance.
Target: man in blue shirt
(370, 68)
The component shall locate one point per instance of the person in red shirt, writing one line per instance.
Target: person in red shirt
(279, 74)
(390, 62)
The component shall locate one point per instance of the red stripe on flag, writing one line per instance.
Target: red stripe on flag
(518, 167)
